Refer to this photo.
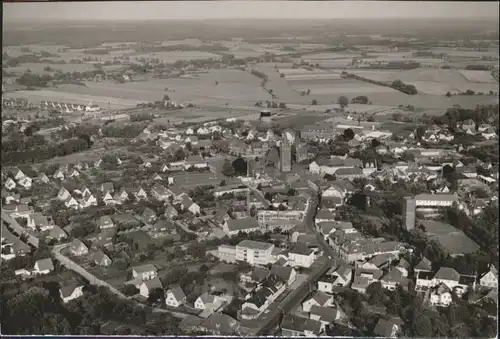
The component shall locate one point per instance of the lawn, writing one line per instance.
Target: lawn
(452, 239)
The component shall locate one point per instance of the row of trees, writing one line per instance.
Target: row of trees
(45, 152)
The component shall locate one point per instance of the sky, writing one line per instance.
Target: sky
(198, 10)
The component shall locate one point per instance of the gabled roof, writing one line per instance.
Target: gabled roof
(177, 292)
(424, 265)
(328, 314)
(242, 224)
(299, 324)
(68, 290)
(45, 264)
(383, 328)
(283, 273)
(320, 297)
(151, 284)
(447, 273)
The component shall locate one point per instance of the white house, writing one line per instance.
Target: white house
(92, 108)
(440, 296)
(337, 276)
(148, 286)
(26, 182)
(19, 175)
(43, 266)
(63, 194)
(490, 278)
(302, 256)
(70, 292)
(10, 184)
(207, 300)
(144, 272)
(175, 297)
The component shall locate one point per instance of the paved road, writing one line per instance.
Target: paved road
(93, 280)
(32, 240)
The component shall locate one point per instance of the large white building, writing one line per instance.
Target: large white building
(255, 252)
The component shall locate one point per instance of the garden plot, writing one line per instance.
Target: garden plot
(171, 57)
(292, 78)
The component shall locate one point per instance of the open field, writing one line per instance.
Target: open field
(478, 76)
(338, 87)
(235, 86)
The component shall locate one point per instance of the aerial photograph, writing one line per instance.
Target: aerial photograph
(250, 168)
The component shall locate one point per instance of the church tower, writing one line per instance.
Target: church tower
(285, 156)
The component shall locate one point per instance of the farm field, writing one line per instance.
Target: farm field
(234, 86)
(347, 87)
(436, 81)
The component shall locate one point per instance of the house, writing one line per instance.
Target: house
(98, 163)
(78, 248)
(163, 228)
(70, 292)
(25, 182)
(159, 192)
(88, 200)
(403, 266)
(141, 194)
(38, 220)
(105, 222)
(440, 296)
(189, 205)
(170, 212)
(490, 278)
(386, 328)
(175, 297)
(318, 298)
(349, 173)
(57, 233)
(149, 216)
(107, 187)
(101, 259)
(295, 326)
(448, 276)
(245, 225)
(393, 278)
(148, 286)
(43, 266)
(301, 255)
(336, 276)
(71, 202)
(326, 315)
(121, 196)
(19, 174)
(144, 272)
(207, 301)
(63, 194)
(10, 184)
(74, 173)
(489, 133)
(255, 276)
(285, 274)
(59, 174)
(220, 324)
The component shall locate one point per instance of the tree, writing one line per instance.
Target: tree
(228, 169)
(240, 166)
(343, 101)
(130, 290)
(180, 155)
(348, 134)
(314, 102)
(422, 327)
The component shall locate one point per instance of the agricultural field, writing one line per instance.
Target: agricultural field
(436, 81)
(234, 86)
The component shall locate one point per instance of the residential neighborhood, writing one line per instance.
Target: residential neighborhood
(291, 220)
